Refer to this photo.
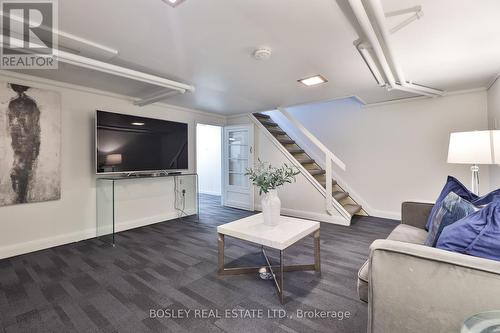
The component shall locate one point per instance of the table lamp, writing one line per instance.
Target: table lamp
(474, 148)
(112, 160)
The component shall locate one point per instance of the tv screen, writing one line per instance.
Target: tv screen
(132, 144)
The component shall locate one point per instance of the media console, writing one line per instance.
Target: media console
(185, 186)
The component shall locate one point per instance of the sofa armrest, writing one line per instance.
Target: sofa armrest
(415, 213)
(415, 288)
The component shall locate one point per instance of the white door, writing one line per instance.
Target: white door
(238, 156)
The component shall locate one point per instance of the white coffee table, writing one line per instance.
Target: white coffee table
(288, 232)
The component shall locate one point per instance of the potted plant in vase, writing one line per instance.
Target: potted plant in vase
(268, 178)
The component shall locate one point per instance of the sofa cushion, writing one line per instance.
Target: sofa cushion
(453, 208)
(453, 185)
(477, 234)
(402, 233)
(408, 234)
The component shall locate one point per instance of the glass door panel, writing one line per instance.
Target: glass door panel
(238, 157)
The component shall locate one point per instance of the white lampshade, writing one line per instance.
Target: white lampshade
(477, 147)
(113, 159)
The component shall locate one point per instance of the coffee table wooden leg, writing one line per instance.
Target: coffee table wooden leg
(221, 253)
(317, 251)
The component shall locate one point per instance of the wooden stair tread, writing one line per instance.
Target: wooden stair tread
(317, 172)
(340, 195)
(323, 182)
(352, 208)
(296, 151)
(286, 141)
(305, 160)
(276, 131)
(268, 123)
(261, 115)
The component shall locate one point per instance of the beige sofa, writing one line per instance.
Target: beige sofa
(411, 287)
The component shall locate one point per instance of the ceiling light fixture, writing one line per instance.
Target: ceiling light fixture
(173, 3)
(313, 80)
(137, 124)
(364, 51)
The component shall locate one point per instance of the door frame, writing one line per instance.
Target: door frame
(225, 162)
(196, 123)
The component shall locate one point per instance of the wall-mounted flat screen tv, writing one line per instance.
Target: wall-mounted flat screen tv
(126, 143)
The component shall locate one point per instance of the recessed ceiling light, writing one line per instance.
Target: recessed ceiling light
(173, 3)
(137, 124)
(313, 80)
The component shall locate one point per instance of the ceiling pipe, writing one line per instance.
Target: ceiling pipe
(364, 22)
(104, 67)
(417, 14)
(383, 51)
(380, 18)
(364, 51)
(379, 15)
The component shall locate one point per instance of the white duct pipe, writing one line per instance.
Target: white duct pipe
(385, 55)
(378, 12)
(364, 22)
(365, 54)
(413, 91)
(424, 88)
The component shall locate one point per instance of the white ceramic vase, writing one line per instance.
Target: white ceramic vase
(271, 208)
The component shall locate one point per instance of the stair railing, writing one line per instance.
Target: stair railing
(329, 158)
(343, 212)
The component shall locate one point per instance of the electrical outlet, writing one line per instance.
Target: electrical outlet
(183, 191)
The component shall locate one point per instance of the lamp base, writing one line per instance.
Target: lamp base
(475, 179)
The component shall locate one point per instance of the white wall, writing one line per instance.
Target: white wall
(396, 152)
(30, 227)
(494, 123)
(209, 158)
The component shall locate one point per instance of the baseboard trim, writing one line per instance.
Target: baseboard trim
(49, 242)
(314, 216)
(137, 223)
(45, 243)
(211, 193)
(385, 214)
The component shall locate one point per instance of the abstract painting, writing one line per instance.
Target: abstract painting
(30, 144)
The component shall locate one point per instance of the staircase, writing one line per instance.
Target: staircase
(309, 164)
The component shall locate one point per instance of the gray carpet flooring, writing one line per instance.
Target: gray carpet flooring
(92, 287)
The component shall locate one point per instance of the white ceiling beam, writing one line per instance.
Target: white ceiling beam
(128, 73)
(104, 67)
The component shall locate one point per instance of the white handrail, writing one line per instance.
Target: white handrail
(313, 139)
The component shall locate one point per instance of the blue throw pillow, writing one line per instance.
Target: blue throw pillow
(477, 235)
(452, 209)
(453, 185)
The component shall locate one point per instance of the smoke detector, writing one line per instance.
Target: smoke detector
(262, 53)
